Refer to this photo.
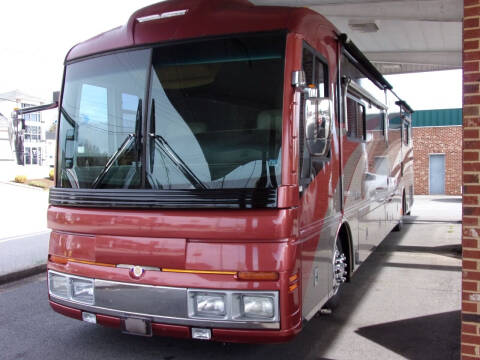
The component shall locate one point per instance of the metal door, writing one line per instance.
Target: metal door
(437, 174)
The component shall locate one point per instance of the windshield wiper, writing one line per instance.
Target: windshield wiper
(179, 163)
(124, 147)
(152, 131)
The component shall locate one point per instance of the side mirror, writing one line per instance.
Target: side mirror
(318, 125)
(299, 79)
(300, 84)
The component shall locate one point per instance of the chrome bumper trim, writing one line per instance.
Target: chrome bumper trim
(161, 304)
(141, 299)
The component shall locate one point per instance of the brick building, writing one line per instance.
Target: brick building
(437, 149)
(471, 180)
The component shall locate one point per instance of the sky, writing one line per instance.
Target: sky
(430, 90)
(36, 36)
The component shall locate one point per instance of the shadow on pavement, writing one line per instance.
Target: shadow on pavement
(449, 199)
(414, 219)
(424, 267)
(426, 337)
(454, 250)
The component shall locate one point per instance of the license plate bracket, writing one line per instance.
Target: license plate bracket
(137, 326)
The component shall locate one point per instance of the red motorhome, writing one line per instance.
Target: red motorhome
(222, 170)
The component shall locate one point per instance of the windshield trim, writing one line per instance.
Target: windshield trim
(155, 45)
(249, 198)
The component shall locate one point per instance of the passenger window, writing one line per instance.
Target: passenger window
(307, 65)
(356, 119)
(375, 120)
(320, 77)
(316, 71)
(406, 133)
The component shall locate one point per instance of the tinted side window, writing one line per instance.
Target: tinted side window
(375, 120)
(321, 77)
(316, 71)
(355, 119)
(406, 133)
(307, 65)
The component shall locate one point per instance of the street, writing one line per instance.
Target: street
(403, 303)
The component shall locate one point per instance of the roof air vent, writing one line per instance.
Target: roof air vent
(162, 15)
(363, 26)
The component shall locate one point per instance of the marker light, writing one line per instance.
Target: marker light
(89, 317)
(201, 334)
(257, 275)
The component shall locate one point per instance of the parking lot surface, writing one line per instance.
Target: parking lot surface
(402, 303)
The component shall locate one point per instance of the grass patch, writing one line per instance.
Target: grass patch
(41, 183)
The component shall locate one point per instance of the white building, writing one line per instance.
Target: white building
(7, 150)
(34, 135)
(50, 148)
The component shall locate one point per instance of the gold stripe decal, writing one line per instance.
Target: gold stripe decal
(201, 271)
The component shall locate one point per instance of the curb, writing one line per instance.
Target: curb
(23, 186)
(18, 275)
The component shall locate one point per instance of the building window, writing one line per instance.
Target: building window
(33, 155)
(32, 133)
(28, 160)
(33, 117)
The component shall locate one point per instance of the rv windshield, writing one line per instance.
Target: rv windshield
(212, 118)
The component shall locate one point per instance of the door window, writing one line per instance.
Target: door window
(316, 75)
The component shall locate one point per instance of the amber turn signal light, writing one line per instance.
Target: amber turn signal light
(257, 275)
(57, 259)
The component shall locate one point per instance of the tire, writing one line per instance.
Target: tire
(399, 226)
(339, 273)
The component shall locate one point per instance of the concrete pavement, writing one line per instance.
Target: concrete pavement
(24, 233)
(439, 208)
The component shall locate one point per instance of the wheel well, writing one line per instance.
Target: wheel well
(345, 237)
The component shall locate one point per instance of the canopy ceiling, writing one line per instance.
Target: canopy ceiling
(397, 36)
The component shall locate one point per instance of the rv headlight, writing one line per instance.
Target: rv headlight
(82, 290)
(208, 305)
(58, 285)
(260, 307)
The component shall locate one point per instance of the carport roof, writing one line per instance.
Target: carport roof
(397, 36)
(442, 117)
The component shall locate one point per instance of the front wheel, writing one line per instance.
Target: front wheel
(399, 226)
(339, 272)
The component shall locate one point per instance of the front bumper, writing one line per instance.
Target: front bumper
(182, 331)
(160, 304)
